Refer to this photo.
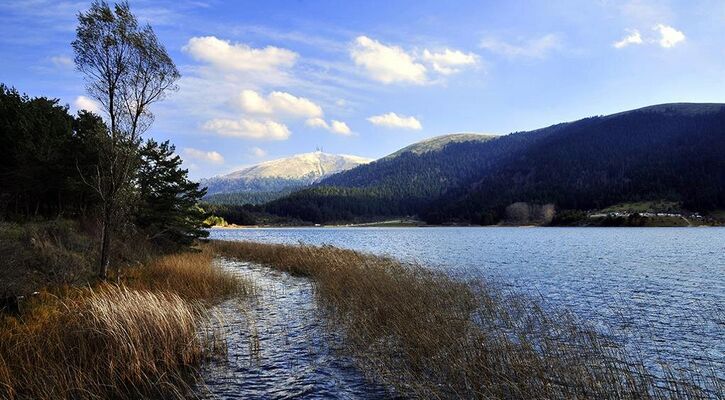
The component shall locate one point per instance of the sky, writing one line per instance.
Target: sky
(267, 79)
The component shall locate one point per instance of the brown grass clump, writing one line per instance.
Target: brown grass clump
(144, 337)
(431, 336)
(108, 342)
(191, 275)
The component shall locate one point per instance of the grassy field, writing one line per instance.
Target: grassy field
(79, 339)
(431, 336)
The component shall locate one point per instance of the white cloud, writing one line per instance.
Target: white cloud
(278, 103)
(393, 120)
(317, 123)
(669, 36)
(340, 128)
(86, 103)
(250, 101)
(247, 128)
(532, 48)
(207, 156)
(337, 127)
(258, 152)
(449, 61)
(62, 61)
(634, 37)
(387, 64)
(238, 56)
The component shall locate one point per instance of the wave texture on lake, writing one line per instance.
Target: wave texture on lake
(658, 290)
(279, 347)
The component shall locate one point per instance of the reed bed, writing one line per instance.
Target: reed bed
(143, 338)
(428, 335)
(191, 275)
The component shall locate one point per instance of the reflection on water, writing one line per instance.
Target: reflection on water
(661, 290)
(278, 347)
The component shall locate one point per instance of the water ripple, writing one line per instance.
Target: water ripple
(278, 347)
(660, 291)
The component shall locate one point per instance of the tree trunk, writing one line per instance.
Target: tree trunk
(105, 244)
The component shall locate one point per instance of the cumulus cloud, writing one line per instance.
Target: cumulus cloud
(340, 128)
(257, 152)
(390, 64)
(393, 120)
(247, 128)
(669, 36)
(532, 48)
(207, 156)
(238, 56)
(86, 103)
(665, 36)
(278, 103)
(385, 63)
(449, 61)
(335, 126)
(634, 37)
(317, 123)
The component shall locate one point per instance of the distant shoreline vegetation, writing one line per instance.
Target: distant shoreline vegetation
(641, 214)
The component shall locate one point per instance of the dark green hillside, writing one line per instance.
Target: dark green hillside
(671, 152)
(668, 152)
(249, 197)
(400, 185)
(439, 142)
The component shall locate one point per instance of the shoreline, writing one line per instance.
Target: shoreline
(386, 225)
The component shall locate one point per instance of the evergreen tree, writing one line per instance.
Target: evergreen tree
(167, 207)
(37, 176)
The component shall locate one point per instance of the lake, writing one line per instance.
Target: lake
(661, 290)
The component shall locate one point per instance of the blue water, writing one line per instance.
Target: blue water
(660, 290)
(278, 346)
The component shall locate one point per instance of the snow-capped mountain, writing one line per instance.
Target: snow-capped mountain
(282, 174)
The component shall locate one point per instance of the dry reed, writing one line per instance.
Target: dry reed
(143, 338)
(192, 275)
(431, 336)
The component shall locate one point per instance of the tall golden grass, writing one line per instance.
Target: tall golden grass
(192, 275)
(431, 336)
(142, 338)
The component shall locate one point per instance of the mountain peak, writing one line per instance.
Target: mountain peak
(296, 170)
(313, 165)
(690, 109)
(438, 142)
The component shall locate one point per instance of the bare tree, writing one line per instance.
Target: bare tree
(126, 70)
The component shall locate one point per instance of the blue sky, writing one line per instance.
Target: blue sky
(266, 79)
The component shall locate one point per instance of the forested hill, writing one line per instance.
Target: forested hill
(438, 142)
(666, 152)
